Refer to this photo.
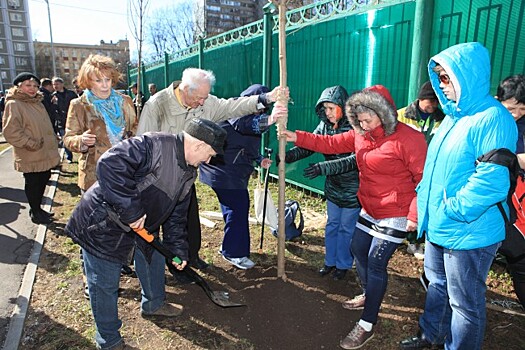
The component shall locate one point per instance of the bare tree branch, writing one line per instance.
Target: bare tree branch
(171, 29)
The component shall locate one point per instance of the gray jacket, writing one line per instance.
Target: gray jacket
(163, 112)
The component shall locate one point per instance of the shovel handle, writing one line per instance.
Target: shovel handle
(148, 237)
(142, 232)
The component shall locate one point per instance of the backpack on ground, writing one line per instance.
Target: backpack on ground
(292, 229)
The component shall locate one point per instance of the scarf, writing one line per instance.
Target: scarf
(110, 109)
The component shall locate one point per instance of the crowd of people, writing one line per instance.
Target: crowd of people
(393, 176)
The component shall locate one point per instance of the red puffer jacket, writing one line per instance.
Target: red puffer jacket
(390, 166)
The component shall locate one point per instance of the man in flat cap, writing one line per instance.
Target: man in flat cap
(146, 182)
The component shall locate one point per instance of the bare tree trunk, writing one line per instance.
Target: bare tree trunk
(137, 11)
(281, 125)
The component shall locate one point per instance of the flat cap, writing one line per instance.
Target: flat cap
(25, 76)
(207, 131)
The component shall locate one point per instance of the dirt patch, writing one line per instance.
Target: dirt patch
(303, 312)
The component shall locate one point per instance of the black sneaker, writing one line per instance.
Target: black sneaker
(339, 274)
(126, 270)
(325, 270)
(418, 342)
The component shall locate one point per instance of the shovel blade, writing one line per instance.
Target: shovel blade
(222, 299)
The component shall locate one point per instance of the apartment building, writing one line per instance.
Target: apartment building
(16, 49)
(214, 17)
(69, 58)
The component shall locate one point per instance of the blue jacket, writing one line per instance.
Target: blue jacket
(457, 200)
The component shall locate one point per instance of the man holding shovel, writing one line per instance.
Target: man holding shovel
(146, 182)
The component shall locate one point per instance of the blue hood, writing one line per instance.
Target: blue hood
(468, 66)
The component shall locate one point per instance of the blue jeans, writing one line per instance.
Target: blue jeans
(235, 206)
(371, 256)
(103, 279)
(455, 311)
(339, 231)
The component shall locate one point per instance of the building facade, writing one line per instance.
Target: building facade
(214, 17)
(69, 58)
(16, 49)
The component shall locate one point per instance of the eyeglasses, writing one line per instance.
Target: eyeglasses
(444, 78)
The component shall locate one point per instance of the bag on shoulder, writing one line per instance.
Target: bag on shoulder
(292, 229)
(513, 247)
(507, 158)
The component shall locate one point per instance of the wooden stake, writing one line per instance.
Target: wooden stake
(282, 100)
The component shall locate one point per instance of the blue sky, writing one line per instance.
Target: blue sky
(84, 22)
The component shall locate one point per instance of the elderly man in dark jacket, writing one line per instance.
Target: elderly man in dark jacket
(146, 182)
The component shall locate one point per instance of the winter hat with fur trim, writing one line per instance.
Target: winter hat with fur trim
(378, 99)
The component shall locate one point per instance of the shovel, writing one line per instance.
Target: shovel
(266, 180)
(221, 298)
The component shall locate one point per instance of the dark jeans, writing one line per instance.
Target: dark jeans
(517, 271)
(371, 255)
(194, 226)
(235, 207)
(35, 186)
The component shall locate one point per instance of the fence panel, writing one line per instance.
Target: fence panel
(353, 49)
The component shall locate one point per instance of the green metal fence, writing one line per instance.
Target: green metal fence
(345, 43)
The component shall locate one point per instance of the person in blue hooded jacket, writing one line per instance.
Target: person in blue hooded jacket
(457, 199)
(228, 176)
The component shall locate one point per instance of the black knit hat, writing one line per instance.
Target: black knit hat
(25, 76)
(426, 92)
(207, 131)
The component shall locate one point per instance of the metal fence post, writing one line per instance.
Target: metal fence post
(201, 53)
(269, 9)
(143, 84)
(166, 69)
(420, 46)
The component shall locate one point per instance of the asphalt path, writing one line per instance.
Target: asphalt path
(20, 246)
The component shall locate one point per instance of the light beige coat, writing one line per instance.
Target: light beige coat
(27, 127)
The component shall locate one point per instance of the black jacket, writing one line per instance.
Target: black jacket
(50, 107)
(148, 175)
(62, 106)
(342, 177)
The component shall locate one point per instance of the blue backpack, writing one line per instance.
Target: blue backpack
(292, 230)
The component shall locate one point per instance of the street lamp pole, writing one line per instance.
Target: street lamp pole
(51, 36)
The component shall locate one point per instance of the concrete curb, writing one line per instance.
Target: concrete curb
(16, 325)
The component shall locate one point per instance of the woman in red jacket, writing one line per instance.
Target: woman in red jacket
(390, 157)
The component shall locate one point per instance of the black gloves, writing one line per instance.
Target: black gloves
(313, 171)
